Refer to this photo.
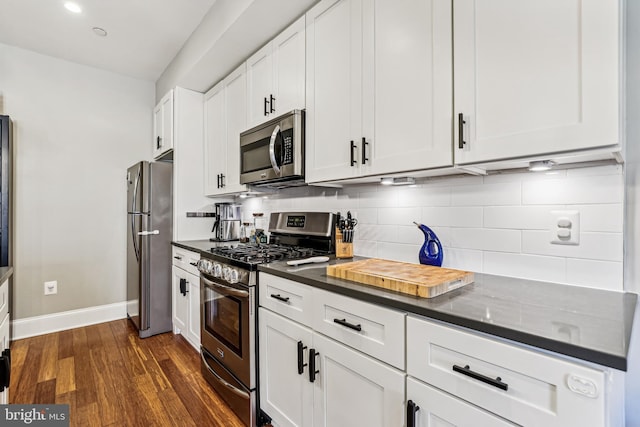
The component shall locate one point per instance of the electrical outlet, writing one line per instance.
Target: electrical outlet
(51, 287)
(565, 228)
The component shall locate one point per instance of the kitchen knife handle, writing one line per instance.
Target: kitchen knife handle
(280, 298)
(301, 364)
(353, 157)
(412, 408)
(312, 364)
(364, 151)
(497, 382)
(346, 324)
(461, 123)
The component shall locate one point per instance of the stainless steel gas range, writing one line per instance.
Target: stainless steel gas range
(228, 301)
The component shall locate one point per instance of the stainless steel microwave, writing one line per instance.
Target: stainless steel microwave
(273, 152)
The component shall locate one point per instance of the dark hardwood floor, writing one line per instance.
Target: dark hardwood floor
(111, 377)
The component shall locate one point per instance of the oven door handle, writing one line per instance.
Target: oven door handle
(228, 385)
(272, 149)
(226, 289)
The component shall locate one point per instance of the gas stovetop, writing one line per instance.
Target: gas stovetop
(252, 254)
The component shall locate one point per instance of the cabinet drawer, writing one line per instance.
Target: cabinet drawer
(285, 297)
(186, 260)
(4, 298)
(536, 388)
(374, 330)
(435, 406)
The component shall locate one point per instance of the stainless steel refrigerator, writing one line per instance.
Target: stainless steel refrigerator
(149, 233)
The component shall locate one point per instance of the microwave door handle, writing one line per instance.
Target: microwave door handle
(272, 150)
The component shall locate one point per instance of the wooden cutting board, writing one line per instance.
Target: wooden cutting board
(424, 281)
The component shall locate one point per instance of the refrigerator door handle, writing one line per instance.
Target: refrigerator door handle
(133, 217)
(148, 233)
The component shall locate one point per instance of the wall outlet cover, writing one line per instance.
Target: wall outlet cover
(51, 287)
(564, 228)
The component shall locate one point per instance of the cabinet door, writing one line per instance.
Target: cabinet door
(352, 389)
(285, 394)
(163, 125)
(236, 122)
(334, 89)
(180, 305)
(533, 78)
(437, 408)
(215, 139)
(289, 69)
(259, 86)
(193, 334)
(407, 79)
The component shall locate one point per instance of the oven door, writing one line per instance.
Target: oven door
(225, 325)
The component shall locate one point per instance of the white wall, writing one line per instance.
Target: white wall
(76, 130)
(496, 224)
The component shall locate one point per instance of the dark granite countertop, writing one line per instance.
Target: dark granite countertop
(201, 246)
(588, 324)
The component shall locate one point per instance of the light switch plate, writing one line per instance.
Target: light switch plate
(564, 228)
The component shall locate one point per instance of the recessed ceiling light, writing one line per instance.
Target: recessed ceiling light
(72, 7)
(100, 31)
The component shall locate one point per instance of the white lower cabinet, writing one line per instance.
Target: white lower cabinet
(309, 379)
(434, 408)
(5, 358)
(353, 389)
(185, 286)
(523, 386)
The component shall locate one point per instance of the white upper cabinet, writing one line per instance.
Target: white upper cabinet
(275, 76)
(408, 85)
(534, 77)
(225, 117)
(379, 87)
(163, 126)
(334, 92)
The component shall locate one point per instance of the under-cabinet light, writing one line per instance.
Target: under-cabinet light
(540, 166)
(405, 180)
(72, 7)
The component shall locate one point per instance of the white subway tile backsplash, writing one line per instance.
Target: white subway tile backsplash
(533, 267)
(486, 239)
(508, 193)
(595, 246)
(452, 216)
(595, 274)
(398, 216)
(601, 217)
(574, 190)
(462, 259)
(498, 224)
(519, 217)
(399, 252)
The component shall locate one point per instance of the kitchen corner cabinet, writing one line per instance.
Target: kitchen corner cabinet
(225, 111)
(186, 296)
(163, 126)
(307, 378)
(535, 78)
(276, 76)
(379, 83)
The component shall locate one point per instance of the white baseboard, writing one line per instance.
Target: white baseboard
(39, 325)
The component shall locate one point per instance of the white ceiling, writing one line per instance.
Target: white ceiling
(143, 35)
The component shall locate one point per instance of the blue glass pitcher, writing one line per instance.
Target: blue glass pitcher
(431, 250)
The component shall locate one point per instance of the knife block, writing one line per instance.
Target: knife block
(343, 250)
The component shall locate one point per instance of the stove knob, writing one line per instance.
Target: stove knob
(226, 273)
(204, 265)
(233, 276)
(217, 270)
